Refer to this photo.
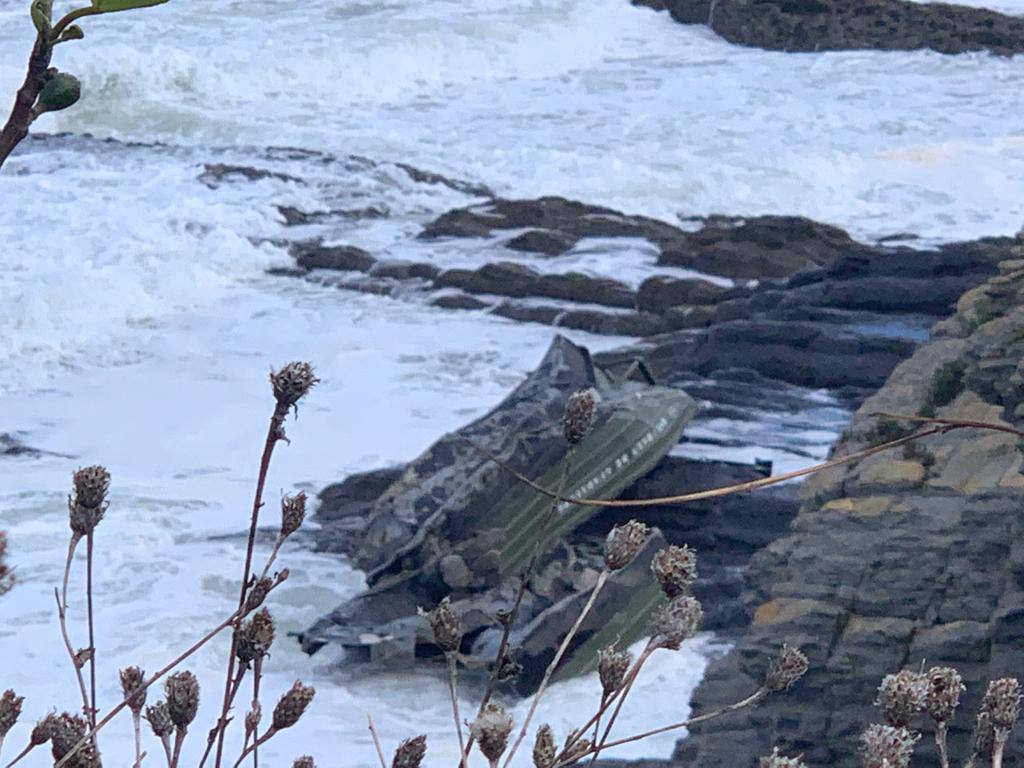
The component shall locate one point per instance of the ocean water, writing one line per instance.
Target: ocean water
(137, 323)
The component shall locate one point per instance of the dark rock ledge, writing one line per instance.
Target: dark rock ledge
(897, 560)
(824, 25)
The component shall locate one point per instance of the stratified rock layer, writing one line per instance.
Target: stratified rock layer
(898, 560)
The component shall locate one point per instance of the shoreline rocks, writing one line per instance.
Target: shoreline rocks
(896, 560)
(834, 25)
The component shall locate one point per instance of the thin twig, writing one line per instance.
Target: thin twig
(940, 743)
(257, 671)
(179, 738)
(212, 736)
(453, 692)
(255, 745)
(28, 748)
(998, 745)
(92, 637)
(750, 700)
(601, 579)
(376, 741)
(275, 432)
(137, 729)
(71, 18)
(751, 485)
(153, 678)
(627, 686)
(62, 608)
(524, 580)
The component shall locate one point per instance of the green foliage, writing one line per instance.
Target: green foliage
(947, 382)
(60, 92)
(40, 17)
(887, 430)
(109, 6)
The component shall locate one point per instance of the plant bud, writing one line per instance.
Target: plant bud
(491, 730)
(252, 719)
(901, 696)
(67, 731)
(291, 384)
(446, 626)
(159, 718)
(410, 753)
(1002, 702)
(182, 690)
(43, 730)
(984, 734)
(544, 753)
(133, 688)
(255, 637)
(675, 568)
(622, 544)
(612, 666)
(944, 689)
(883, 746)
(785, 669)
(303, 762)
(258, 593)
(579, 416)
(676, 621)
(73, 32)
(579, 748)
(293, 512)
(10, 710)
(291, 705)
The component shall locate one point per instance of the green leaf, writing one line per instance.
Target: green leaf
(60, 92)
(40, 17)
(74, 32)
(109, 6)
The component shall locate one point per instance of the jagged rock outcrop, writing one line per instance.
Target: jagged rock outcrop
(824, 25)
(896, 560)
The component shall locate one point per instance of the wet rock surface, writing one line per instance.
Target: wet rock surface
(895, 560)
(822, 25)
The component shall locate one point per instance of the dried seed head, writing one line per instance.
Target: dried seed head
(293, 512)
(291, 383)
(182, 690)
(622, 544)
(883, 746)
(544, 753)
(258, 593)
(410, 753)
(676, 621)
(292, 704)
(612, 666)
(579, 416)
(88, 502)
(43, 730)
(944, 689)
(1002, 702)
(446, 626)
(10, 710)
(901, 696)
(675, 568)
(984, 734)
(91, 486)
(570, 754)
(775, 760)
(159, 718)
(303, 762)
(133, 688)
(67, 730)
(491, 729)
(255, 637)
(785, 669)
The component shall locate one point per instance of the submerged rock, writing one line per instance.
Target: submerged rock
(823, 25)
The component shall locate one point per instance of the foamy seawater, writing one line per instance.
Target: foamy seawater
(137, 326)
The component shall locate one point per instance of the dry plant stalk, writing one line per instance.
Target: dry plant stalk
(902, 696)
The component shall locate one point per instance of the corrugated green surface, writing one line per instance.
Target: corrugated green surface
(621, 449)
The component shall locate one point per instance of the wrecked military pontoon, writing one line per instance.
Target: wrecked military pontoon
(454, 523)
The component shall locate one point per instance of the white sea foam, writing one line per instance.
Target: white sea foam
(136, 326)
